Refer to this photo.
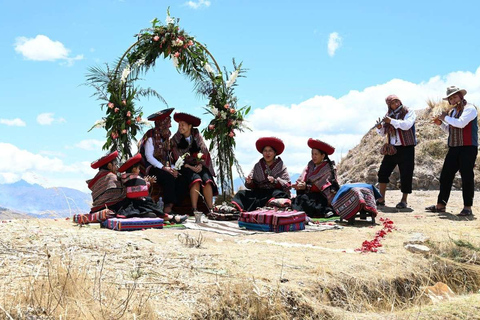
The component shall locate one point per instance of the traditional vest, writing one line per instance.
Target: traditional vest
(160, 152)
(407, 137)
(466, 136)
(136, 186)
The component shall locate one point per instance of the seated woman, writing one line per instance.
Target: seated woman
(319, 190)
(107, 190)
(140, 204)
(317, 184)
(196, 173)
(268, 179)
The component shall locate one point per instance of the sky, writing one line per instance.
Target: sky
(316, 69)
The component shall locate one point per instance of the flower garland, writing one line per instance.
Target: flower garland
(373, 245)
(117, 88)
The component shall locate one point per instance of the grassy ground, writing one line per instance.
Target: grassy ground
(54, 269)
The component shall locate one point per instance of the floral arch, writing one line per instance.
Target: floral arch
(116, 87)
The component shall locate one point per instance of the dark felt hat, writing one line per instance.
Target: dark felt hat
(188, 118)
(104, 160)
(160, 115)
(320, 145)
(273, 142)
(130, 162)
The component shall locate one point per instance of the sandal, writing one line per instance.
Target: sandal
(434, 208)
(179, 218)
(401, 205)
(465, 213)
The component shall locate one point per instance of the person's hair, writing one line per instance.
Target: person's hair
(183, 144)
(130, 170)
(333, 171)
(105, 166)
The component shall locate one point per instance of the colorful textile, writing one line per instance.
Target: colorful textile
(106, 190)
(136, 186)
(261, 171)
(351, 198)
(270, 228)
(321, 178)
(280, 203)
(98, 216)
(466, 136)
(131, 224)
(407, 137)
(273, 217)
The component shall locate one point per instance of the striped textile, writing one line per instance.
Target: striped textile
(466, 136)
(131, 224)
(95, 217)
(277, 221)
(261, 171)
(356, 198)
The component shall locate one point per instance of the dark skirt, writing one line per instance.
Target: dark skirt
(187, 178)
(139, 207)
(250, 200)
(314, 204)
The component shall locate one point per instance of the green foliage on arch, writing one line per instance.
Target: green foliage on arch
(116, 87)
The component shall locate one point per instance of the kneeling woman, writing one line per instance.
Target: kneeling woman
(317, 184)
(197, 170)
(268, 179)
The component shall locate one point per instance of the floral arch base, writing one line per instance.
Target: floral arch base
(116, 88)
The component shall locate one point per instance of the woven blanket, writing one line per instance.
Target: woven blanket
(98, 216)
(352, 201)
(131, 224)
(273, 217)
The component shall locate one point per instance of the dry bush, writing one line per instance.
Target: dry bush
(62, 290)
(191, 242)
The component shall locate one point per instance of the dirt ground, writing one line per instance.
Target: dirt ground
(177, 276)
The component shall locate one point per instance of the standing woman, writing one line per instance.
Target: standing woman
(461, 123)
(317, 184)
(399, 127)
(268, 179)
(197, 171)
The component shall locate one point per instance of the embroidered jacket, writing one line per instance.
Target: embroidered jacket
(403, 123)
(319, 179)
(261, 171)
(136, 186)
(106, 190)
(462, 126)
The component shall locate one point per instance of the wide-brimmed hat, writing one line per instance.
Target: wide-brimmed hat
(104, 160)
(274, 142)
(160, 115)
(391, 98)
(452, 90)
(130, 162)
(320, 145)
(188, 118)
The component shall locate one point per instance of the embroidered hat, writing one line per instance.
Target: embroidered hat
(130, 162)
(391, 98)
(104, 160)
(188, 118)
(452, 90)
(160, 115)
(320, 145)
(275, 143)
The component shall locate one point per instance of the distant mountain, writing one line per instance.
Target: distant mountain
(35, 200)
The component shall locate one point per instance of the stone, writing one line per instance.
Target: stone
(417, 248)
(417, 238)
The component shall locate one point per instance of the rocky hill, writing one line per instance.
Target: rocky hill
(361, 164)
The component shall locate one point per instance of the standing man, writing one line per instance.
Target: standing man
(399, 126)
(158, 159)
(462, 126)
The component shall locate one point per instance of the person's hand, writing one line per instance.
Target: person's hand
(387, 120)
(379, 124)
(169, 170)
(437, 121)
(151, 179)
(271, 179)
(197, 168)
(442, 116)
(248, 180)
(175, 173)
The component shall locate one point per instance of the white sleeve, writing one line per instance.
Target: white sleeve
(468, 114)
(444, 126)
(406, 123)
(149, 154)
(381, 131)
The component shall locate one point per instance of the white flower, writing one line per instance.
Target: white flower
(180, 161)
(233, 78)
(125, 74)
(199, 155)
(139, 62)
(177, 43)
(175, 61)
(145, 122)
(99, 124)
(223, 115)
(208, 68)
(214, 111)
(169, 20)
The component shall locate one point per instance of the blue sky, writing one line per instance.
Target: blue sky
(315, 69)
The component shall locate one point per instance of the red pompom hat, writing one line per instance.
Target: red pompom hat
(188, 118)
(320, 145)
(273, 142)
(130, 162)
(104, 160)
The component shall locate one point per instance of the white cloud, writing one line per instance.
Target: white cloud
(17, 122)
(341, 121)
(198, 4)
(47, 118)
(90, 144)
(42, 48)
(334, 42)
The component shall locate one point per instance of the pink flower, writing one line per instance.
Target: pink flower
(156, 38)
(129, 122)
(177, 54)
(110, 105)
(211, 127)
(116, 110)
(232, 110)
(129, 114)
(226, 106)
(124, 131)
(114, 135)
(230, 122)
(231, 134)
(139, 119)
(190, 43)
(124, 102)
